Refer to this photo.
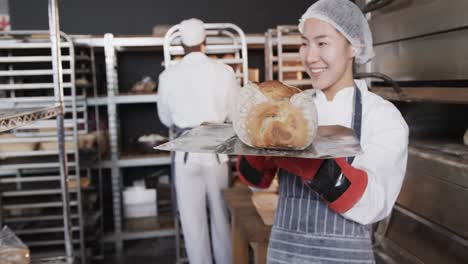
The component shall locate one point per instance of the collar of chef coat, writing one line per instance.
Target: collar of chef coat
(339, 110)
(194, 57)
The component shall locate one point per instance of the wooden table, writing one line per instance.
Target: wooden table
(247, 228)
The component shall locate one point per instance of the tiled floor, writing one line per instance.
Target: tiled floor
(160, 251)
(154, 251)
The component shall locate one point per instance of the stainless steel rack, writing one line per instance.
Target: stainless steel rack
(92, 193)
(282, 60)
(117, 162)
(16, 194)
(35, 204)
(13, 118)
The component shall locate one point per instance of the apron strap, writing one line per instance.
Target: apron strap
(178, 132)
(357, 116)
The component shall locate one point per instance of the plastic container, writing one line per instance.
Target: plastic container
(139, 202)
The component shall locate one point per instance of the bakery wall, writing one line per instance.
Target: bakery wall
(139, 17)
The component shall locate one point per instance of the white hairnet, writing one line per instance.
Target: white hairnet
(348, 19)
(192, 32)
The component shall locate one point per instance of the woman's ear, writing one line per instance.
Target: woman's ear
(352, 51)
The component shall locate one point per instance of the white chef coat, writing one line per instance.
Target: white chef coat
(384, 141)
(196, 90)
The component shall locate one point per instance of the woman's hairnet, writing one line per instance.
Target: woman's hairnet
(192, 32)
(348, 19)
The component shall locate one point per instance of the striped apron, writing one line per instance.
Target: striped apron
(307, 231)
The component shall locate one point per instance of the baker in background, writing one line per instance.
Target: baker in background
(326, 206)
(197, 90)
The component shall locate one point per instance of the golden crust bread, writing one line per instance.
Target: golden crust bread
(277, 123)
(277, 91)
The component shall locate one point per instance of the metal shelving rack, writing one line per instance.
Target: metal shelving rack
(13, 118)
(116, 161)
(282, 60)
(28, 113)
(92, 194)
(270, 53)
(234, 43)
(35, 193)
(38, 82)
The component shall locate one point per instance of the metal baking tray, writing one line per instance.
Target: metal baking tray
(331, 142)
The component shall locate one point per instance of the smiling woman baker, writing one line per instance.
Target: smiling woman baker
(325, 206)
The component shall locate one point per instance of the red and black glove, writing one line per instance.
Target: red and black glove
(259, 171)
(358, 184)
(256, 171)
(335, 180)
(339, 184)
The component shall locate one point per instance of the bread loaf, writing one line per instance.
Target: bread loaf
(277, 123)
(11, 255)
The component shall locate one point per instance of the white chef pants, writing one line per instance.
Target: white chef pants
(195, 184)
